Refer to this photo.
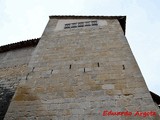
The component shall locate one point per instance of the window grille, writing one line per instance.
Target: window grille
(73, 25)
(67, 26)
(80, 24)
(94, 23)
(88, 23)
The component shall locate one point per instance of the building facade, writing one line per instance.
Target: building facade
(81, 68)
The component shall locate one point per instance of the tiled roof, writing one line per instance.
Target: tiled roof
(156, 98)
(22, 44)
(121, 19)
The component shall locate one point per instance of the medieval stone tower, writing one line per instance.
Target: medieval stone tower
(81, 68)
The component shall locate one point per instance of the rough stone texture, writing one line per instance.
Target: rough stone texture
(58, 88)
(13, 66)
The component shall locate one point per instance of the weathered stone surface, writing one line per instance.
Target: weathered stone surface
(76, 74)
(13, 68)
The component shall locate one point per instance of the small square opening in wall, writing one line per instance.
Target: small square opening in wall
(70, 67)
(67, 26)
(73, 25)
(94, 23)
(98, 64)
(81, 24)
(87, 23)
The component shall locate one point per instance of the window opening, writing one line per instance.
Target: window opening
(81, 24)
(94, 23)
(67, 26)
(87, 23)
(73, 25)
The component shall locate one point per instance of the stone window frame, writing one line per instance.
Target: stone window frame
(81, 24)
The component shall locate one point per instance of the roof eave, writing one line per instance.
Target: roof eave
(18, 45)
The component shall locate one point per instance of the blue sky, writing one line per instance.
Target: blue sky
(22, 20)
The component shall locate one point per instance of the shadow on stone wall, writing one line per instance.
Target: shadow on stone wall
(5, 99)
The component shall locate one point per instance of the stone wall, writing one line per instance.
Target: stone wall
(77, 74)
(13, 66)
